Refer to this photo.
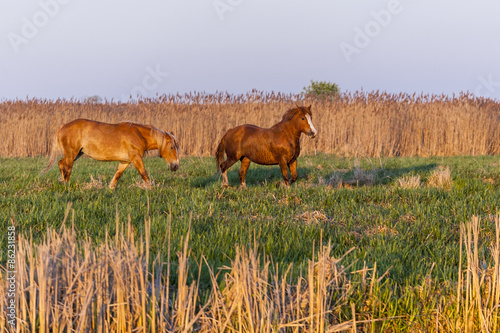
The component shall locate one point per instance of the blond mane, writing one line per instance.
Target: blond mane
(159, 136)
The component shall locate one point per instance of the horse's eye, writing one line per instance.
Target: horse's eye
(171, 147)
(303, 118)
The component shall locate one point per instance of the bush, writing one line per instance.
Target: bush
(322, 89)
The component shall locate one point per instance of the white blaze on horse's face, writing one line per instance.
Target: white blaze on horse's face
(311, 126)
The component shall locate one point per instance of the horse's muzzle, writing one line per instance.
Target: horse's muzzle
(312, 134)
(174, 166)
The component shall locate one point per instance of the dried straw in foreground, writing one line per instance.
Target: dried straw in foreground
(71, 284)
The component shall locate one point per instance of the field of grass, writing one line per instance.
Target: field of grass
(410, 232)
(406, 230)
(357, 239)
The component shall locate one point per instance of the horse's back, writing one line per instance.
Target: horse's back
(247, 134)
(246, 131)
(101, 141)
(80, 126)
(97, 128)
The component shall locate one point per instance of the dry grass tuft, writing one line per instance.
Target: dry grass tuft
(440, 178)
(490, 181)
(382, 231)
(334, 181)
(94, 183)
(289, 199)
(313, 217)
(362, 177)
(408, 182)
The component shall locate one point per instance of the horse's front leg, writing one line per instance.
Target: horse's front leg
(284, 171)
(293, 171)
(139, 165)
(121, 167)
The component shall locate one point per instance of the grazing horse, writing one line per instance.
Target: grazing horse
(125, 142)
(279, 144)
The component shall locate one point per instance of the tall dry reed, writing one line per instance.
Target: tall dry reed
(353, 124)
(478, 294)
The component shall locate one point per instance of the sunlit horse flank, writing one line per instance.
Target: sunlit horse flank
(125, 142)
(279, 144)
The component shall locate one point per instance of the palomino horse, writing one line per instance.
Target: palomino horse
(279, 144)
(124, 142)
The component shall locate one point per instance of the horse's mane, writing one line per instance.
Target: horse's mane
(135, 123)
(173, 138)
(292, 112)
(158, 134)
(160, 137)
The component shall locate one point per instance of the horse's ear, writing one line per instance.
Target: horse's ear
(309, 107)
(298, 107)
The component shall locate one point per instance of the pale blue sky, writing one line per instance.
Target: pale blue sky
(114, 48)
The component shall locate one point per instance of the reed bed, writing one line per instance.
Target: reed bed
(352, 124)
(68, 283)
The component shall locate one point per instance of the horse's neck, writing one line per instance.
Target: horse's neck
(291, 132)
(149, 133)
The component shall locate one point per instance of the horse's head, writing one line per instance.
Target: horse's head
(170, 151)
(304, 121)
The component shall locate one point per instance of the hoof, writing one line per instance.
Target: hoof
(225, 185)
(243, 186)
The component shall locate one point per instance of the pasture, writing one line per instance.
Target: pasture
(370, 237)
(410, 234)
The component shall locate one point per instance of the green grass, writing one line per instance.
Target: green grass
(404, 230)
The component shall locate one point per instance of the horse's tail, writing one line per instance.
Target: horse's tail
(53, 153)
(219, 154)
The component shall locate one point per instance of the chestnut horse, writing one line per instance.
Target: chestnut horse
(125, 142)
(279, 144)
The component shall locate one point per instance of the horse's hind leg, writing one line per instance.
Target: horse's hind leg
(80, 153)
(245, 163)
(139, 165)
(223, 168)
(121, 167)
(66, 164)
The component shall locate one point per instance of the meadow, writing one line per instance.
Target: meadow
(408, 231)
(392, 225)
